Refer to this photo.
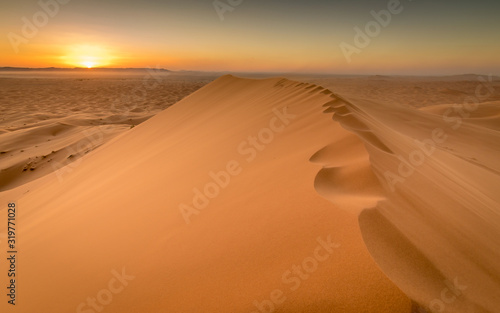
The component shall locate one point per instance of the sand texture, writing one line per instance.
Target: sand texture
(252, 195)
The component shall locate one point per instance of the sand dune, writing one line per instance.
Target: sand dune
(411, 91)
(487, 115)
(209, 206)
(247, 197)
(437, 232)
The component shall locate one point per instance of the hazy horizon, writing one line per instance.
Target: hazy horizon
(367, 37)
(222, 72)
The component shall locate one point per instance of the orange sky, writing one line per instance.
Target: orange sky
(421, 37)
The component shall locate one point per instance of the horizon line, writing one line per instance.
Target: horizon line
(238, 72)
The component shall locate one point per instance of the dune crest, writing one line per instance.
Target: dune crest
(435, 230)
(209, 206)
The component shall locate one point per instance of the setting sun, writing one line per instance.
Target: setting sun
(89, 64)
(88, 56)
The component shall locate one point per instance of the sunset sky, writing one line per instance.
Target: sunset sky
(425, 37)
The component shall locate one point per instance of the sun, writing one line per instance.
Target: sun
(88, 56)
(89, 64)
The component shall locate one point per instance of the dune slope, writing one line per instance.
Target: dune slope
(209, 206)
(431, 219)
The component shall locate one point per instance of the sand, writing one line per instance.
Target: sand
(246, 196)
(48, 121)
(435, 229)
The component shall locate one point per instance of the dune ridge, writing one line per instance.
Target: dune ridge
(121, 211)
(431, 226)
(435, 227)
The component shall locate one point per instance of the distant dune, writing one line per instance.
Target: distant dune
(48, 122)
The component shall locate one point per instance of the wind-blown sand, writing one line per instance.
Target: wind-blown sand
(436, 232)
(210, 206)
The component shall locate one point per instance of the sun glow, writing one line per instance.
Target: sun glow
(89, 64)
(87, 56)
